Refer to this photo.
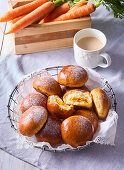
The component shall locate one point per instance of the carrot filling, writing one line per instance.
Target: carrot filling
(61, 103)
(75, 99)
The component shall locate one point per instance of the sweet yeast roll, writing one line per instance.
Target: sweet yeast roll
(90, 115)
(101, 102)
(51, 131)
(32, 120)
(33, 99)
(72, 76)
(47, 85)
(76, 130)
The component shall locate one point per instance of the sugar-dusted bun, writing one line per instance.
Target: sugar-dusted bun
(101, 103)
(58, 108)
(90, 115)
(47, 85)
(32, 120)
(51, 131)
(72, 76)
(33, 99)
(78, 98)
(76, 130)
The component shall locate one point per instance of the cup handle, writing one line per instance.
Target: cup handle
(107, 58)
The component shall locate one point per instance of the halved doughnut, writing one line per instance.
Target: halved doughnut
(78, 97)
(58, 108)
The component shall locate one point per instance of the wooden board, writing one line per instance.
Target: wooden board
(47, 36)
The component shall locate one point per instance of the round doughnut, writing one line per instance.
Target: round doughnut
(72, 76)
(76, 130)
(47, 85)
(33, 99)
(32, 120)
(90, 115)
(51, 131)
(58, 108)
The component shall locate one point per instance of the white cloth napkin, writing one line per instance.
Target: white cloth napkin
(96, 157)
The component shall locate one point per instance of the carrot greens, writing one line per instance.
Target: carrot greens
(116, 6)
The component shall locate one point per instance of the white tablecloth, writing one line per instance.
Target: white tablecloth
(96, 157)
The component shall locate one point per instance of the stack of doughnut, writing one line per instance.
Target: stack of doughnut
(64, 110)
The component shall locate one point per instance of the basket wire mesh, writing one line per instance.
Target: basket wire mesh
(54, 72)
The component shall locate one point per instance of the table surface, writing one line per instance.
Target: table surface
(8, 162)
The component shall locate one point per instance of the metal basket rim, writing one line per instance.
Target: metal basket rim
(46, 147)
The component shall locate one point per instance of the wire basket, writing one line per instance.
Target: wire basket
(54, 72)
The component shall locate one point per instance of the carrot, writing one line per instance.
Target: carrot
(22, 10)
(57, 12)
(17, 19)
(61, 10)
(80, 12)
(77, 6)
(30, 18)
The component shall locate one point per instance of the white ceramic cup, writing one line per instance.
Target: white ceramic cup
(91, 59)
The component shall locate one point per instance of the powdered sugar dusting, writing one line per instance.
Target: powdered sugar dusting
(27, 119)
(38, 114)
(77, 73)
(47, 81)
(35, 114)
(34, 99)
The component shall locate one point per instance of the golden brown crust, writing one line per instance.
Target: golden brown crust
(76, 130)
(90, 115)
(58, 108)
(47, 85)
(72, 76)
(78, 98)
(32, 120)
(33, 99)
(51, 131)
(101, 102)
